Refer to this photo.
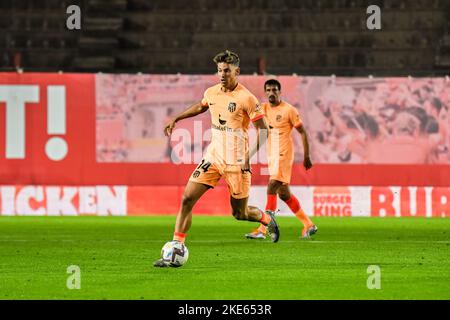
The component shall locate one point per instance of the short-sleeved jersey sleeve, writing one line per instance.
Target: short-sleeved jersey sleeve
(254, 109)
(294, 118)
(204, 101)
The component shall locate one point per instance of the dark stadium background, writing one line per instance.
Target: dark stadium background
(280, 37)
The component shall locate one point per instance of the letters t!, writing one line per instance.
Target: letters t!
(16, 97)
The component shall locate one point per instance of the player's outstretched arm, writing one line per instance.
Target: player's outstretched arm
(263, 134)
(306, 158)
(190, 112)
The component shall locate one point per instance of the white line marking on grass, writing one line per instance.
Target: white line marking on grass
(383, 241)
(226, 241)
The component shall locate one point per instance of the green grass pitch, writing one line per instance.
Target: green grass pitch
(115, 256)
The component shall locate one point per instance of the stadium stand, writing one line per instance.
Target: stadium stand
(443, 49)
(282, 37)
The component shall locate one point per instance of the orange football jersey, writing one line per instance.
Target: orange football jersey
(231, 113)
(281, 120)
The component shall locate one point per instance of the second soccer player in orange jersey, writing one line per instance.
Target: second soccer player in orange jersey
(282, 118)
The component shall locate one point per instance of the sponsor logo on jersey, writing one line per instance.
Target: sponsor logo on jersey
(222, 122)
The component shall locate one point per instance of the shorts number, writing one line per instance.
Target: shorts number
(204, 165)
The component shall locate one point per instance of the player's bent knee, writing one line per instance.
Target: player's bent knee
(274, 186)
(284, 196)
(187, 201)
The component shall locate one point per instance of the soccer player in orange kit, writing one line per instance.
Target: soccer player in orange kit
(232, 108)
(282, 118)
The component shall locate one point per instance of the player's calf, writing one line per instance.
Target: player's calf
(249, 213)
(239, 216)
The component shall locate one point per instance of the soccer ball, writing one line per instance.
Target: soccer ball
(175, 253)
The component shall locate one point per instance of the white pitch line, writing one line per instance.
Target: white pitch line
(228, 241)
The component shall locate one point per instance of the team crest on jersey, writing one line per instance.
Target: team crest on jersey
(196, 174)
(232, 107)
(258, 107)
(278, 118)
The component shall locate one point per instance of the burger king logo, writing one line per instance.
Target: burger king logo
(332, 202)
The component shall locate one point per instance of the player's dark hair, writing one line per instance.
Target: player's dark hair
(227, 56)
(272, 82)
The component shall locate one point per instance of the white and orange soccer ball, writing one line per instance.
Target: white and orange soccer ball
(175, 253)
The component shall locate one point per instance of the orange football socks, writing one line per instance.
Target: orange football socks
(271, 202)
(270, 205)
(179, 236)
(265, 218)
(294, 205)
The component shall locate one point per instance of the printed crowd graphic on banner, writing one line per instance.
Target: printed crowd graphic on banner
(349, 120)
(89, 144)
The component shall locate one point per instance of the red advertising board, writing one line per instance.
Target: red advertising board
(50, 136)
(38, 200)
